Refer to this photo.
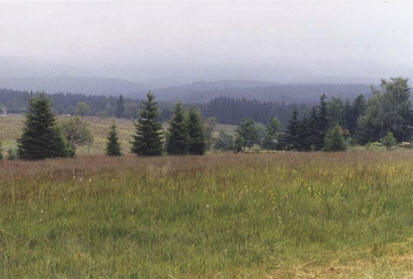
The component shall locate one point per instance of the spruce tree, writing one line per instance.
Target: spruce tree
(177, 137)
(147, 140)
(112, 145)
(120, 107)
(42, 138)
(304, 134)
(314, 137)
(196, 137)
(293, 132)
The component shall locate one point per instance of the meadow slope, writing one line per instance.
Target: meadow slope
(282, 215)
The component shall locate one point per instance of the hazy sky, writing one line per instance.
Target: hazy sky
(218, 39)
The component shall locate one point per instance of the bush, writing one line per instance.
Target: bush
(11, 154)
(388, 141)
(374, 145)
(334, 140)
(225, 141)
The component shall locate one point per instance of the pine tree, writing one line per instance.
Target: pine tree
(120, 108)
(334, 140)
(196, 137)
(112, 145)
(148, 136)
(177, 137)
(42, 138)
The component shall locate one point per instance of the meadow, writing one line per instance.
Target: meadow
(11, 129)
(278, 215)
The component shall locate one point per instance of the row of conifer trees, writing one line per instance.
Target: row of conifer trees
(185, 134)
(42, 138)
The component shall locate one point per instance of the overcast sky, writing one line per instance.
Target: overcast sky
(218, 39)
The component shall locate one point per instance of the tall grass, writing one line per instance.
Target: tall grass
(217, 216)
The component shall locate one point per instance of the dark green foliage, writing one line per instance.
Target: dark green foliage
(42, 138)
(225, 141)
(148, 135)
(272, 137)
(248, 132)
(388, 140)
(112, 145)
(196, 137)
(312, 128)
(353, 112)
(292, 133)
(177, 136)
(120, 107)
(322, 122)
(388, 110)
(1, 152)
(304, 135)
(335, 112)
(334, 140)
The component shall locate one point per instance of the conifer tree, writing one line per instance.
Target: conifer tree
(314, 137)
(120, 107)
(196, 137)
(147, 140)
(334, 140)
(1, 152)
(304, 135)
(177, 136)
(322, 121)
(293, 132)
(42, 138)
(112, 145)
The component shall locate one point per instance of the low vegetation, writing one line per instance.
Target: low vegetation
(218, 216)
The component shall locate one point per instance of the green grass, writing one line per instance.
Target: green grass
(282, 215)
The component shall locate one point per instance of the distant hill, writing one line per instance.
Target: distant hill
(83, 85)
(200, 92)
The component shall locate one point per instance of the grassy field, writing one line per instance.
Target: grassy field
(11, 126)
(281, 215)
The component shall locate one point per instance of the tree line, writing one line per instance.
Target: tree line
(43, 138)
(226, 110)
(384, 118)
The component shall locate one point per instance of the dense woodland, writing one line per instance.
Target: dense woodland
(226, 110)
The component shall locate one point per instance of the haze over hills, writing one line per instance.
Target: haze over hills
(83, 85)
(200, 92)
(289, 84)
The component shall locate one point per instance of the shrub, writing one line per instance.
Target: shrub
(388, 141)
(334, 140)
